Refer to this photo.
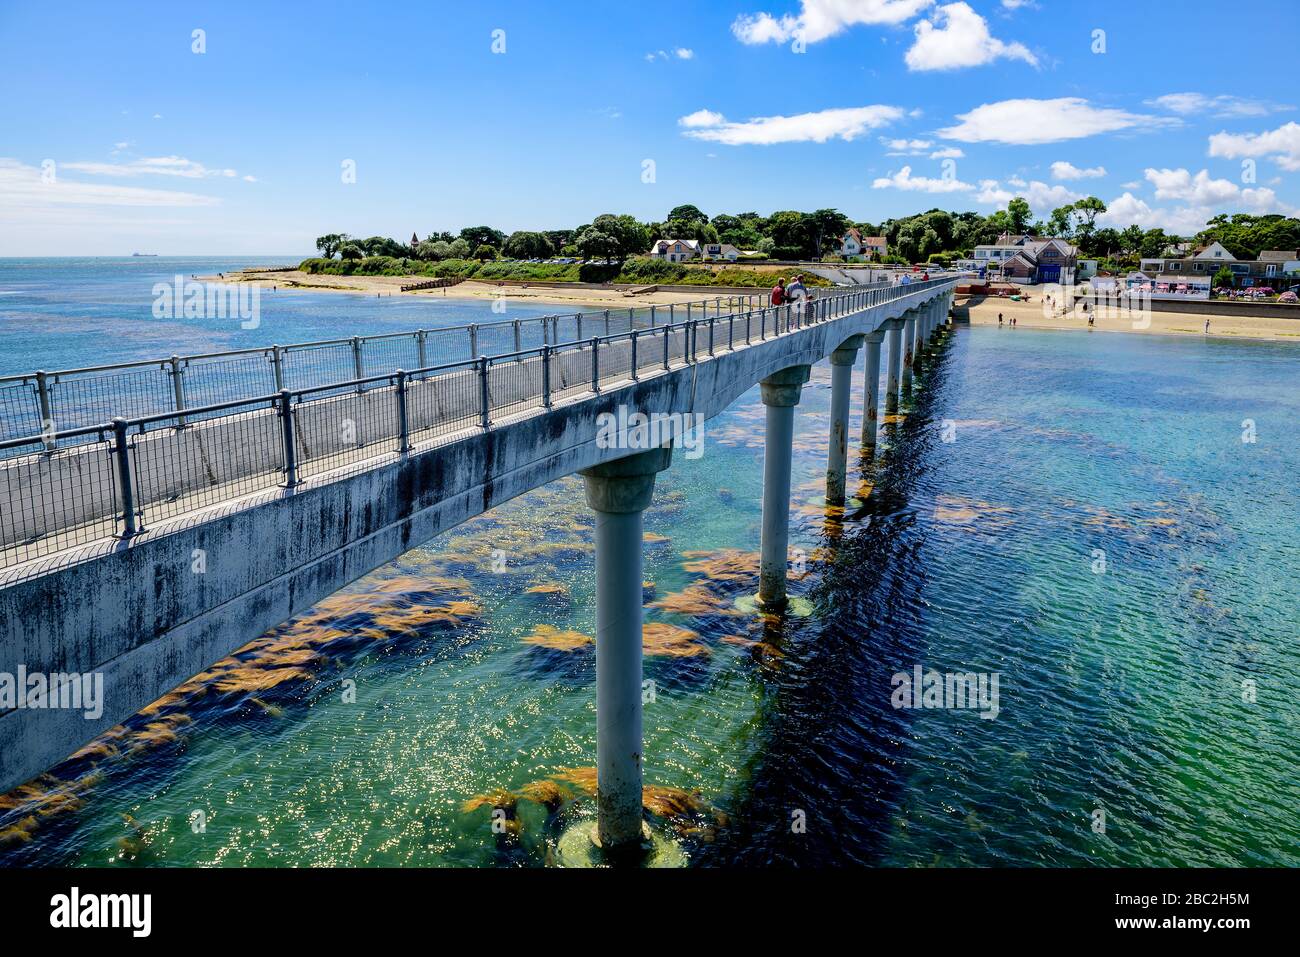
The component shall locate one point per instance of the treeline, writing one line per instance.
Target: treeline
(935, 235)
(633, 271)
(939, 236)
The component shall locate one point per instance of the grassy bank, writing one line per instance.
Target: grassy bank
(634, 271)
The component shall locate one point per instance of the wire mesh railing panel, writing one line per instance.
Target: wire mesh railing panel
(447, 345)
(20, 411)
(81, 400)
(205, 463)
(212, 381)
(305, 366)
(615, 362)
(382, 355)
(571, 371)
(336, 430)
(514, 386)
(50, 501)
(443, 403)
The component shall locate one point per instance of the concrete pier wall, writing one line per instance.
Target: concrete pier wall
(137, 612)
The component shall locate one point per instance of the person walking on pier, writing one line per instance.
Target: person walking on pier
(999, 320)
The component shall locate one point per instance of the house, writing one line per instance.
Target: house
(720, 251)
(854, 244)
(1203, 261)
(1278, 263)
(1028, 259)
(675, 250)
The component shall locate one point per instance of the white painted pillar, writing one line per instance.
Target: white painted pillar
(842, 360)
(781, 392)
(894, 385)
(871, 391)
(909, 343)
(619, 492)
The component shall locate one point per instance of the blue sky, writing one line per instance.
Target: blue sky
(118, 137)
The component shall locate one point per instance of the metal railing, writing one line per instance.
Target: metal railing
(71, 399)
(116, 478)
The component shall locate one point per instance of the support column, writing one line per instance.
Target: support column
(842, 360)
(894, 385)
(619, 492)
(781, 392)
(909, 340)
(871, 391)
(918, 342)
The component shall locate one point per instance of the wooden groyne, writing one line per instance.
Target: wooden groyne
(440, 283)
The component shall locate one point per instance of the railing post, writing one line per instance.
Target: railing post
(356, 358)
(178, 389)
(277, 367)
(546, 377)
(731, 333)
(47, 417)
(421, 344)
(595, 366)
(124, 483)
(403, 424)
(577, 317)
(711, 324)
(688, 312)
(473, 342)
(672, 313)
(284, 408)
(635, 376)
(652, 316)
(483, 395)
(667, 360)
(606, 322)
(762, 324)
(518, 340)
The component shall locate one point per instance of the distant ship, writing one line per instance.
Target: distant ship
(144, 254)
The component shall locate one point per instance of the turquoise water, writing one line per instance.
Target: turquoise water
(1123, 691)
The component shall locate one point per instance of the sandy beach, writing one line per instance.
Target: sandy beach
(470, 289)
(984, 312)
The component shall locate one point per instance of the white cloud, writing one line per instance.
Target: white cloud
(1198, 189)
(23, 186)
(151, 166)
(1281, 144)
(1220, 105)
(1042, 197)
(1017, 4)
(1201, 197)
(948, 152)
(1132, 184)
(1064, 170)
(955, 37)
(818, 20)
(1027, 121)
(701, 118)
(845, 124)
(904, 144)
(1129, 210)
(684, 53)
(904, 179)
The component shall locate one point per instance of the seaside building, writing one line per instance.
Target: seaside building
(1028, 259)
(853, 244)
(682, 250)
(1276, 268)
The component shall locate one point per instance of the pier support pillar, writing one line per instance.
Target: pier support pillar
(842, 360)
(918, 343)
(909, 342)
(893, 385)
(781, 392)
(619, 492)
(871, 391)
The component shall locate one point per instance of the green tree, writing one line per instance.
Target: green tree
(477, 236)
(331, 243)
(1224, 277)
(824, 225)
(528, 245)
(1019, 215)
(485, 252)
(351, 251)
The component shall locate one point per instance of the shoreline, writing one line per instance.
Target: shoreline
(1222, 325)
(470, 289)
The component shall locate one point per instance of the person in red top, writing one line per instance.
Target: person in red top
(778, 292)
(926, 276)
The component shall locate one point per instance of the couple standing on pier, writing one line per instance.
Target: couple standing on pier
(795, 292)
